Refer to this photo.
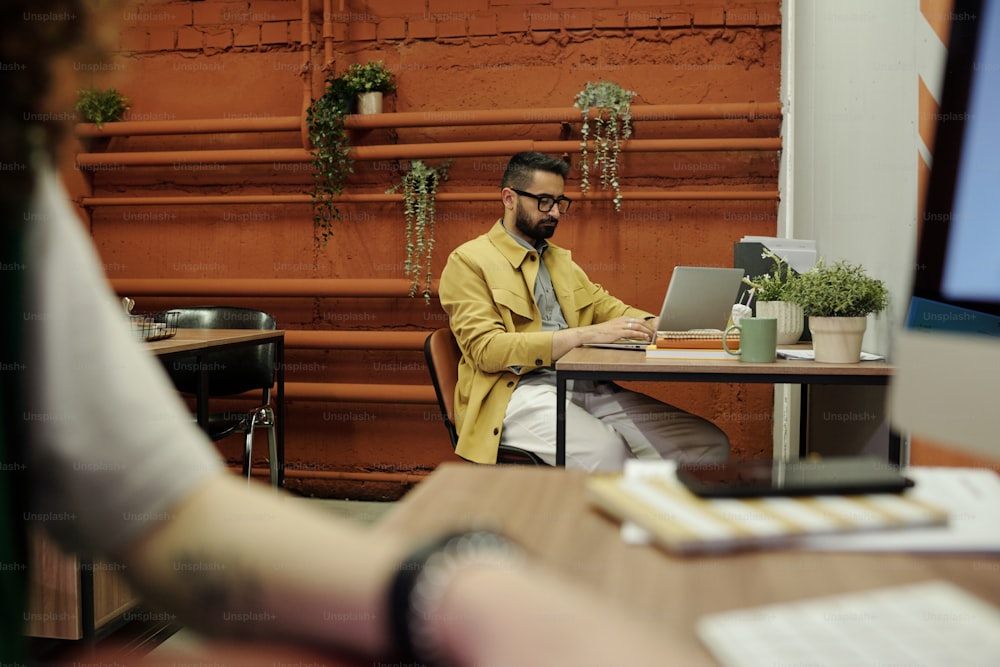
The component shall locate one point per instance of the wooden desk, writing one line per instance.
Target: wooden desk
(202, 342)
(75, 598)
(544, 509)
(588, 363)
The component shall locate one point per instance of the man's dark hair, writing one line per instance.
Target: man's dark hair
(522, 167)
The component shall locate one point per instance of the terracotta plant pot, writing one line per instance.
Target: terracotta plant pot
(369, 103)
(790, 319)
(837, 340)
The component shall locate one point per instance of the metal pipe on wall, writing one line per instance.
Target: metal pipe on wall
(236, 200)
(410, 151)
(408, 119)
(264, 287)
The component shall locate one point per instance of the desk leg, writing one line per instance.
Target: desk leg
(560, 421)
(201, 397)
(280, 444)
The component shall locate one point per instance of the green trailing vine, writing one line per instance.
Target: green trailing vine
(331, 152)
(612, 126)
(419, 188)
(102, 106)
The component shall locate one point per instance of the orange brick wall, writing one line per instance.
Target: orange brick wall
(214, 59)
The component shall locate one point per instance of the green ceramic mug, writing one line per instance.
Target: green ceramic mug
(758, 339)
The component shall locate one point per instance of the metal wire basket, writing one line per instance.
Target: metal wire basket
(154, 326)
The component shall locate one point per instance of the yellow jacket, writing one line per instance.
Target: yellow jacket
(487, 290)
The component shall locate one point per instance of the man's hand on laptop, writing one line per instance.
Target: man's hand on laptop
(635, 328)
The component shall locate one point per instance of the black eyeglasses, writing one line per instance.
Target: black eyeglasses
(546, 202)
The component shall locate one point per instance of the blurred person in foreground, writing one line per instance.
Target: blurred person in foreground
(517, 303)
(97, 445)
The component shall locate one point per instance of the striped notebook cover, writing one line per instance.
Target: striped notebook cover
(684, 523)
(703, 340)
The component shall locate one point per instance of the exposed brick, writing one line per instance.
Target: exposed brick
(361, 31)
(274, 33)
(741, 16)
(394, 28)
(544, 18)
(339, 32)
(464, 7)
(768, 17)
(295, 32)
(512, 20)
(639, 18)
(578, 19)
(134, 39)
(421, 29)
(482, 24)
(514, 3)
(215, 13)
(384, 8)
(276, 10)
(163, 39)
(452, 28)
(646, 4)
(570, 4)
(171, 17)
(188, 39)
(610, 19)
(676, 20)
(219, 40)
(247, 35)
(715, 16)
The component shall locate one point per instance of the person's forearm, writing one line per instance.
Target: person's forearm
(239, 561)
(565, 340)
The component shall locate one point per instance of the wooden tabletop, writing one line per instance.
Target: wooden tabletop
(545, 509)
(190, 340)
(635, 361)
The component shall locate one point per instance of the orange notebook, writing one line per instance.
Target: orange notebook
(696, 340)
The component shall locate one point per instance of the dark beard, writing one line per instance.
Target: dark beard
(538, 232)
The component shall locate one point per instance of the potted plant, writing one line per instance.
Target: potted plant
(837, 299)
(769, 292)
(419, 188)
(612, 126)
(330, 151)
(368, 83)
(101, 106)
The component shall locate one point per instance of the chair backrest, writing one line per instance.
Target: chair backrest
(229, 371)
(442, 354)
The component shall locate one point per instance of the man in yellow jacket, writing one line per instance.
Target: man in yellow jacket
(516, 303)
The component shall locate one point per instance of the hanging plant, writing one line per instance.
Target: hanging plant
(419, 188)
(612, 126)
(331, 152)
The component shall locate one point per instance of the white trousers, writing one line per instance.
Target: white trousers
(607, 425)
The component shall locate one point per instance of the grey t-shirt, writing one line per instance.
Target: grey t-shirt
(112, 448)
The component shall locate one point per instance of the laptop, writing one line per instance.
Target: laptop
(699, 298)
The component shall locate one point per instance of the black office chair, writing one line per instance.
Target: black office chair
(233, 372)
(443, 354)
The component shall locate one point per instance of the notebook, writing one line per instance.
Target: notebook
(699, 298)
(927, 623)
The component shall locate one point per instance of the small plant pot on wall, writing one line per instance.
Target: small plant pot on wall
(369, 82)
(837, 340)
(370, 102)
(790, 319)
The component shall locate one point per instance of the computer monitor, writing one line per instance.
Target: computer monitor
(947, 385)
